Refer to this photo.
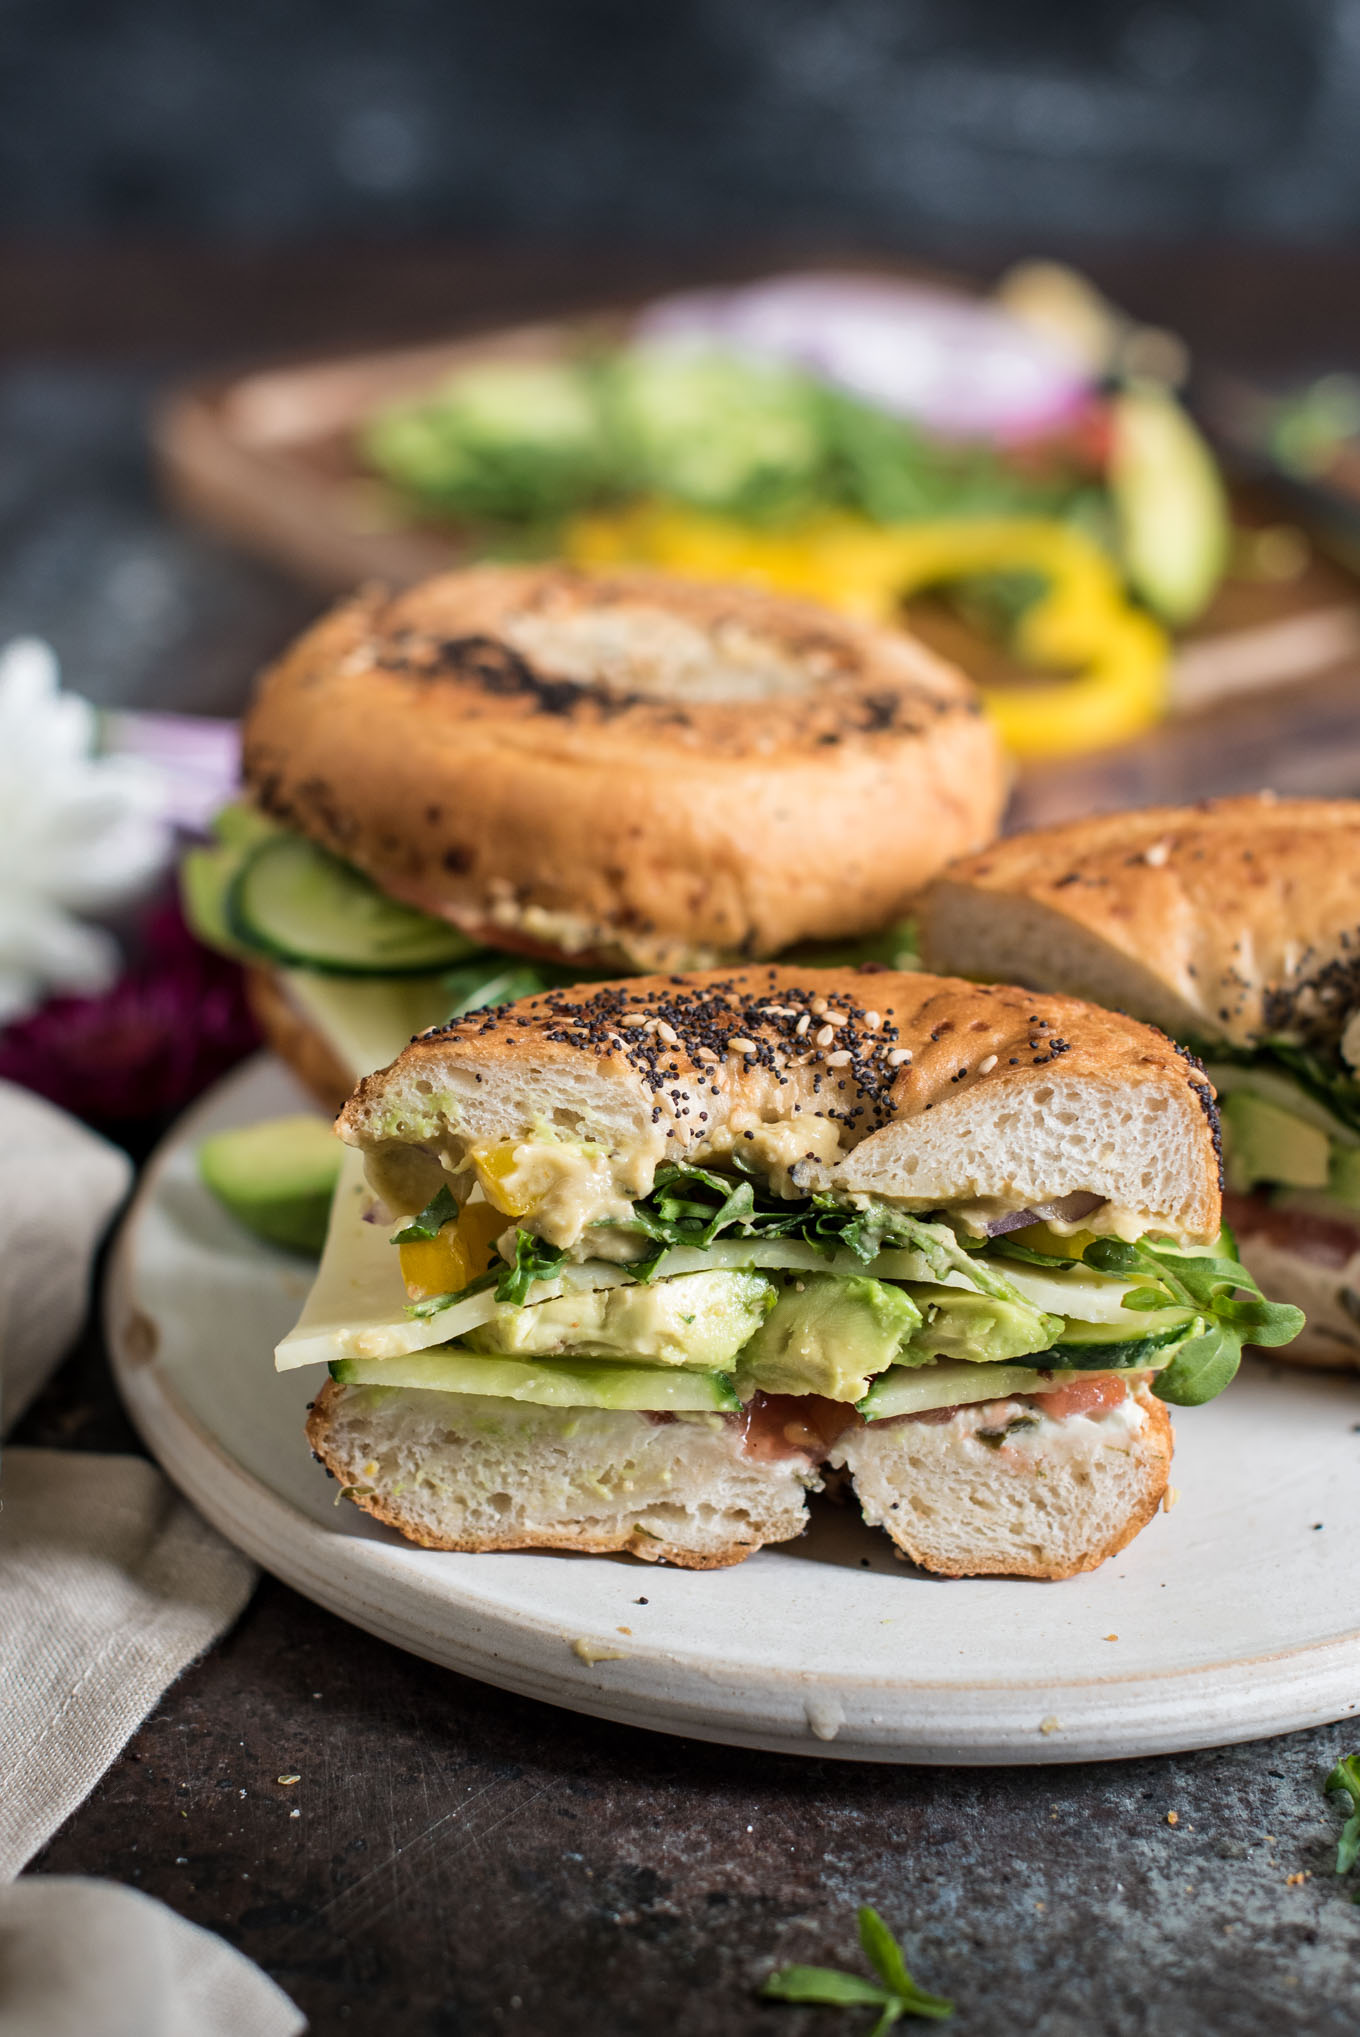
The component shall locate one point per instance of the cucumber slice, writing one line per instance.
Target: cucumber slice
(547, 1381)
(301, 905)
(1098, 1347)
(916, 1389)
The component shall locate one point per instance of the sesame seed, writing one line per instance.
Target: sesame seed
(705, 1054)
(634, 1018)
(899, 1056)
(667, 1033)
(834, 1018)
(872, 1021)
(824, 1035)
(802, 1026)
(1157, 854)
(986, 1067)
(840, 1060)
(818, 1006)
(738, 1046)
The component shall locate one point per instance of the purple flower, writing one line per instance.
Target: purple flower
(172, 1023)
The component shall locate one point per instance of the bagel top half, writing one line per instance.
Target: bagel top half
(1232, 920)
(625, 767)
(926, 1090)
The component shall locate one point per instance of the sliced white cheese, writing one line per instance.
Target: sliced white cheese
(357, 1306)
(367, 1020)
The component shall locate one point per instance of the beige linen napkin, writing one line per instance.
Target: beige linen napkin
(110, 1585)
(59, 1185)
(90, 1959)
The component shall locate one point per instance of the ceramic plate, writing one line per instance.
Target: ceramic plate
(1235, 1615)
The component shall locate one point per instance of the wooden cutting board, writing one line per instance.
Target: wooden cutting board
(1264, 687)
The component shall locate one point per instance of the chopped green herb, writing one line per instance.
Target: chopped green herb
(1346, 1776)
(894, 1994)
(441, 1209)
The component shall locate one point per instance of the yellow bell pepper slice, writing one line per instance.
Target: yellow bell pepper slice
(1083, 624)
(458, 1253)
(494, 1166)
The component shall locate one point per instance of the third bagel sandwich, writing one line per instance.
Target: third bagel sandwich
(638, 1265)
(1235, 926)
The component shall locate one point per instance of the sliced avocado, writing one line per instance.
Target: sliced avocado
(828, 1333)
(1262, 1142)
(1170, 503)
(545, 1382)
(978, 1327)
(276, 1178)
(1343, 1175)
(698, 1319)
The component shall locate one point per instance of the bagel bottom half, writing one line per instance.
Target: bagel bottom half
(1045, 1499)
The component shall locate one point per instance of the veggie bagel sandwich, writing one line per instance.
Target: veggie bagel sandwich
(512, 777)
(638, 1265)
(1235, 926)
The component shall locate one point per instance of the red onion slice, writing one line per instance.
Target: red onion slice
(1069, 1209)
(958, 365)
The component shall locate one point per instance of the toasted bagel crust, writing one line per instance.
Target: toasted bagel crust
(625, 766)
(916, 1086)
(1226, 921)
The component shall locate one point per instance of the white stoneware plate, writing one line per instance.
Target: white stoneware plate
(1233, 1616)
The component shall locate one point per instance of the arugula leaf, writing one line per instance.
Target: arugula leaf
(534, 1260)
(712, 1203)
(1219, 1289)
(1346, 1776)
(441, 1209)
(897, 1996)
(494, 979)
(1200, 1370)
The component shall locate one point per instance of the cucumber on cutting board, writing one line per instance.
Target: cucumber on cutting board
(1169, 501)
(298, 904)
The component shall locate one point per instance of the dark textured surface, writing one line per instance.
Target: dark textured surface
(468, 1862)
(465, 1862)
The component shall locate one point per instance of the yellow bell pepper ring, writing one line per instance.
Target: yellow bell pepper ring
(1083, 624)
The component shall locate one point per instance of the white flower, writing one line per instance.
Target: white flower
(79, 833)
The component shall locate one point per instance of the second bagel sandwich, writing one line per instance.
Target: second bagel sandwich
(513, 777)
(665, 1253)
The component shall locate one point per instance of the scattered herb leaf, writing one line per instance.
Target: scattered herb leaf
(1346, 1776)
(894, 1994)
